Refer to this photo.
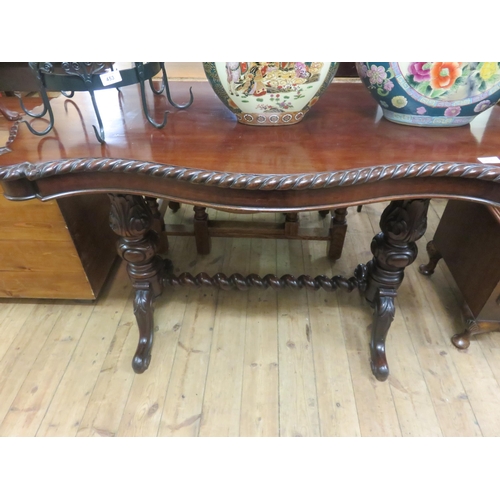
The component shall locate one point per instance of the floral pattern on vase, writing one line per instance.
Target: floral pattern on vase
(269, 93)
(432, 94)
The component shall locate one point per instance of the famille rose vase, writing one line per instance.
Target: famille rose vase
(432, 94)
(269, 93)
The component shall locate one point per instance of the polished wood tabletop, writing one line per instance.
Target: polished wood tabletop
(338, 143)
(343, 130)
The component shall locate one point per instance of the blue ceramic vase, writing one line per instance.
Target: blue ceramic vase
(432, 94)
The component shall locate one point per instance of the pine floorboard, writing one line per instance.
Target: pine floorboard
(255, 363)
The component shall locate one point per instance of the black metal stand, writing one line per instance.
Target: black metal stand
(71, 77)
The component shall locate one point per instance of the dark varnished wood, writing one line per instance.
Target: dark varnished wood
(473, 326)
(86, 218)
(402, 223)
(343, 153)
(239, 282)
(132, 219)
(338, 229)
(468, 240)
(434, 258)
(204, 229)
(201, 230)
(341, 133)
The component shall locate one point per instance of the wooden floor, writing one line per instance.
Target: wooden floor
(250, 363)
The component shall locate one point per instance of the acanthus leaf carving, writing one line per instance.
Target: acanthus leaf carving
(129, 216)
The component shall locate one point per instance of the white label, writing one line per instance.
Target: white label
(489, 159)
(111, 77)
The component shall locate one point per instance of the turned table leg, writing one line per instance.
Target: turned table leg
(201, 232)
(402, 223)
(292, 224)
(132, 219)
(338, 229)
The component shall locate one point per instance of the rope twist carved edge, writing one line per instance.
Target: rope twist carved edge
(263, 182)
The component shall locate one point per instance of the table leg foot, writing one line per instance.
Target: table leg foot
(461, 340)
(473, 326)
(434, 258)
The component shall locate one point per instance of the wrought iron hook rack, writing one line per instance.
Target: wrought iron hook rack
(71, 77)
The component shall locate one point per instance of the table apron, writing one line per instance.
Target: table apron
(261, 200)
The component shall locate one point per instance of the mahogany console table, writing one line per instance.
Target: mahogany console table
(342, 154)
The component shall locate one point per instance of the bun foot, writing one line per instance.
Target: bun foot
(461, 340)
(426, 269)
(473, 326)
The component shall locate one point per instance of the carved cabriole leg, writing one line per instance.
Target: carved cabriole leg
(338, 229)
(132, 219)
(402, 223)
(434, 258)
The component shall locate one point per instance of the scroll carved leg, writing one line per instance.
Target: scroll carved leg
(383, 314)
(143, 311)
(132, 219)
(434, 258)
(402, 223)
